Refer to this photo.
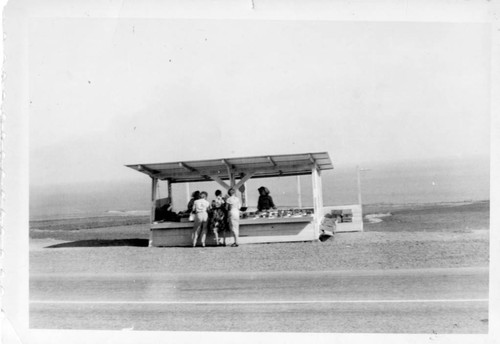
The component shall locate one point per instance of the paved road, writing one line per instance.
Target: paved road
(389, 301)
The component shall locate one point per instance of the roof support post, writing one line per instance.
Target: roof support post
(154, 186)
(188, 195)
(241, 186)
(243, 180)
(299, 192)
(219, 181)
(169, 192)
(243, 190)
(320, 193)
(230, 172)
(317, 200)
(244, 194)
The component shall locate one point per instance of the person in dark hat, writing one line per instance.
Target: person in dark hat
(265, 201)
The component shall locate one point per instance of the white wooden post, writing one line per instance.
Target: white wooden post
(188, 196)
(220, 182)
(299, 192)
(245, 195)
(314, 178)
(154, 184)
(229, 173)
(243, 190)
(359, 170)
(317, 200)
(169, 192)
(320, 192)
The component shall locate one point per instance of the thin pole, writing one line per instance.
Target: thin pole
(359, 185)
(299, 192)
(320, 193)
(245, 194)
(243, 191)
(154, 185)
(316, 202)
(188, 196)
(169, 191)
(359, 170)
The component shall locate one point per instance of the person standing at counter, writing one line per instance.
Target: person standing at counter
(194, 196)
(265, 201)
(200, 211)
(234, 206)
(218, 217)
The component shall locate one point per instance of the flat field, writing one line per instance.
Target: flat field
(413, 236)
(440, 217)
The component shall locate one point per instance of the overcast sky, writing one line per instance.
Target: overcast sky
(107, 92)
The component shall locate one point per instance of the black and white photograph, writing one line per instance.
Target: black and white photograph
(249, 171)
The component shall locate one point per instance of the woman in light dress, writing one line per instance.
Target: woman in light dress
(234, 206)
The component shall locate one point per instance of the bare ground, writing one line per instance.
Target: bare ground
(431, 236)
(369, 250)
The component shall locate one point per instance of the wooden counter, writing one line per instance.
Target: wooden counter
(252, 230)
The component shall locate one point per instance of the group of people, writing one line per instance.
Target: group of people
(223, 213)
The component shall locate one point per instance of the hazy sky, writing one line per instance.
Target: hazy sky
(108, 92)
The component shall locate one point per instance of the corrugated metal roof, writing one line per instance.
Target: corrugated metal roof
(261, 166)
